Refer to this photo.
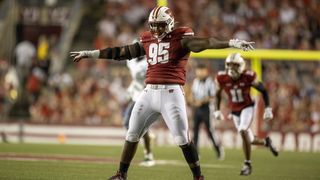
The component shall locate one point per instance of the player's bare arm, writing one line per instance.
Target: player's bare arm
(115, 53)
(197, 44)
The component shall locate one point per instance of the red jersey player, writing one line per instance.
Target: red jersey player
(167, 51)
(236, 81)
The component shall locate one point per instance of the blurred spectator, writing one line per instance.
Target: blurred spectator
(25, 52)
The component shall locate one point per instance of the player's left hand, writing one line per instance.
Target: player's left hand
(241, 44)
(268, 115)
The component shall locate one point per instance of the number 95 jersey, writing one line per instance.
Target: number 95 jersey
(238, 91)
(166, 58)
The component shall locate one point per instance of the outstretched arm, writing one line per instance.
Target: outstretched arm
(197, 44)
(115, 53)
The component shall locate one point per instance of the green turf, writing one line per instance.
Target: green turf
(288, 166)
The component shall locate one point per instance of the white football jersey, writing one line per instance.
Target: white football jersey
(138, 70)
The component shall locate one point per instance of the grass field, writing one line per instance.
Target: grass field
(38, 161)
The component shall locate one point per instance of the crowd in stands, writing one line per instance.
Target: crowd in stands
(94, 92)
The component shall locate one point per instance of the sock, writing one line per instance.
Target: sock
(196, 171)
(123, 168)
(247, 161)
(191, 156)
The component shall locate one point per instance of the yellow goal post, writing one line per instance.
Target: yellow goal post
(256, 56)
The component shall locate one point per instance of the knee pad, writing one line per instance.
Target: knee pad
(180, 140)
(132, 137)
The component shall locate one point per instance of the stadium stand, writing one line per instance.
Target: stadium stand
(59, 98)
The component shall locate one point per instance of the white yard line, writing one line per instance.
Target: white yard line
(180, 163)
(90, 159)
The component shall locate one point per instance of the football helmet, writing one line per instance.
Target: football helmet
(161, 21)
(234, 65)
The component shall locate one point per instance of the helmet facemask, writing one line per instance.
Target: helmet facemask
(233, 70)
(158, 29)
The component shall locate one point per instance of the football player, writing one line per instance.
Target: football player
(167, 50)
(138, 69)
(236, 81)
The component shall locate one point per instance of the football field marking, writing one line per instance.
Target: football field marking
(91, 159)
(180, 163)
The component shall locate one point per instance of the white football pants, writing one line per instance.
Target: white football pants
(156, 100)
(243, 122)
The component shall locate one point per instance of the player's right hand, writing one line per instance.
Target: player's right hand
(218, 115)
(78, 55)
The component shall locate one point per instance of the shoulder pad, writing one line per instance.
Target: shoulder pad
(221, 76)
(250, 73)
(220, 73)
(146, 36)
(183, 31)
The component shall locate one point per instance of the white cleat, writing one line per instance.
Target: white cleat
(148, 160)
(147, 163)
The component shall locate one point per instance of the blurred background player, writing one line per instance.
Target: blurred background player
(138, 68)
(236, 81)
(202, 92)
(167, 50)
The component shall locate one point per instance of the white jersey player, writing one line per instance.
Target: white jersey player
(138, 69)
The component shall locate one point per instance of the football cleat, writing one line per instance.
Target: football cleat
(119, 176)
(271, 147)
(199, 177)
(246, 169)
(147, 162)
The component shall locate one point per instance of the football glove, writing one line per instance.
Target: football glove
(268, 115)
(241, 44)
(218, 115)
(78, 55)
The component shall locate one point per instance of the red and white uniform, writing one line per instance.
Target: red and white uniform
(166, 58)
(238, 91)
(163, 94)
(239, 98)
